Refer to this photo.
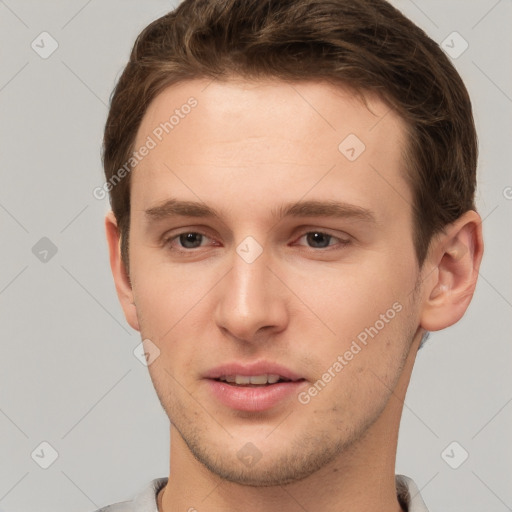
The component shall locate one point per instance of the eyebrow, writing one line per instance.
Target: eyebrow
(335, 209)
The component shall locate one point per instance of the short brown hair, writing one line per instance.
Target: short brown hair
(367, 45)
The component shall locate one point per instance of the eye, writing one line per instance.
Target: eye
(187, 240)
(321, 240)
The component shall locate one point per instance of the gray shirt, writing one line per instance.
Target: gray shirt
(407, 492)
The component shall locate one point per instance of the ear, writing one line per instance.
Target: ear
(452, 266)
(121, 279)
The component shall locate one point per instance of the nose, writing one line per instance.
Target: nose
(252, 301)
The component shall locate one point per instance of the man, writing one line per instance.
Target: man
(292, 188)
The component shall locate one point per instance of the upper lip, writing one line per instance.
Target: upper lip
(251, 369)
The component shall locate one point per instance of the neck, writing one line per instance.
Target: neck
(361, 478)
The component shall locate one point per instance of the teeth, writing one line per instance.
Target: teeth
(253, 379)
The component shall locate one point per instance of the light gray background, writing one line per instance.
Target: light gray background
(68, 373)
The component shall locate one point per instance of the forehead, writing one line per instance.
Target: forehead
(239, 137)
(258, 108)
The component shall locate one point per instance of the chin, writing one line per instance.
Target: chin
(270, 467)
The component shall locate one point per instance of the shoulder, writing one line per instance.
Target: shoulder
(145, 501)
(125, 506)
(409, 495)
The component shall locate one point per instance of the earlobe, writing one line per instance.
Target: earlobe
(121, 280)
(454, 258)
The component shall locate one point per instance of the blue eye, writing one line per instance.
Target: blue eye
(318, 240)
(190, 240)
(321, 240)
(186, 240)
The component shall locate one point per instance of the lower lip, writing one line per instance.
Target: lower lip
(254, 399)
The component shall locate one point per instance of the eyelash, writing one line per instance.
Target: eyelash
(341, 242)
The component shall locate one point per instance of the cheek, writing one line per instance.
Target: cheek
(167, 296)
(373, 318)
(350, 298)
(365, 376)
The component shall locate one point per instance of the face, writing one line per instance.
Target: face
(271, 237)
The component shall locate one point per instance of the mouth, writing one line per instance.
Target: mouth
(254, 387)
(265, 379)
